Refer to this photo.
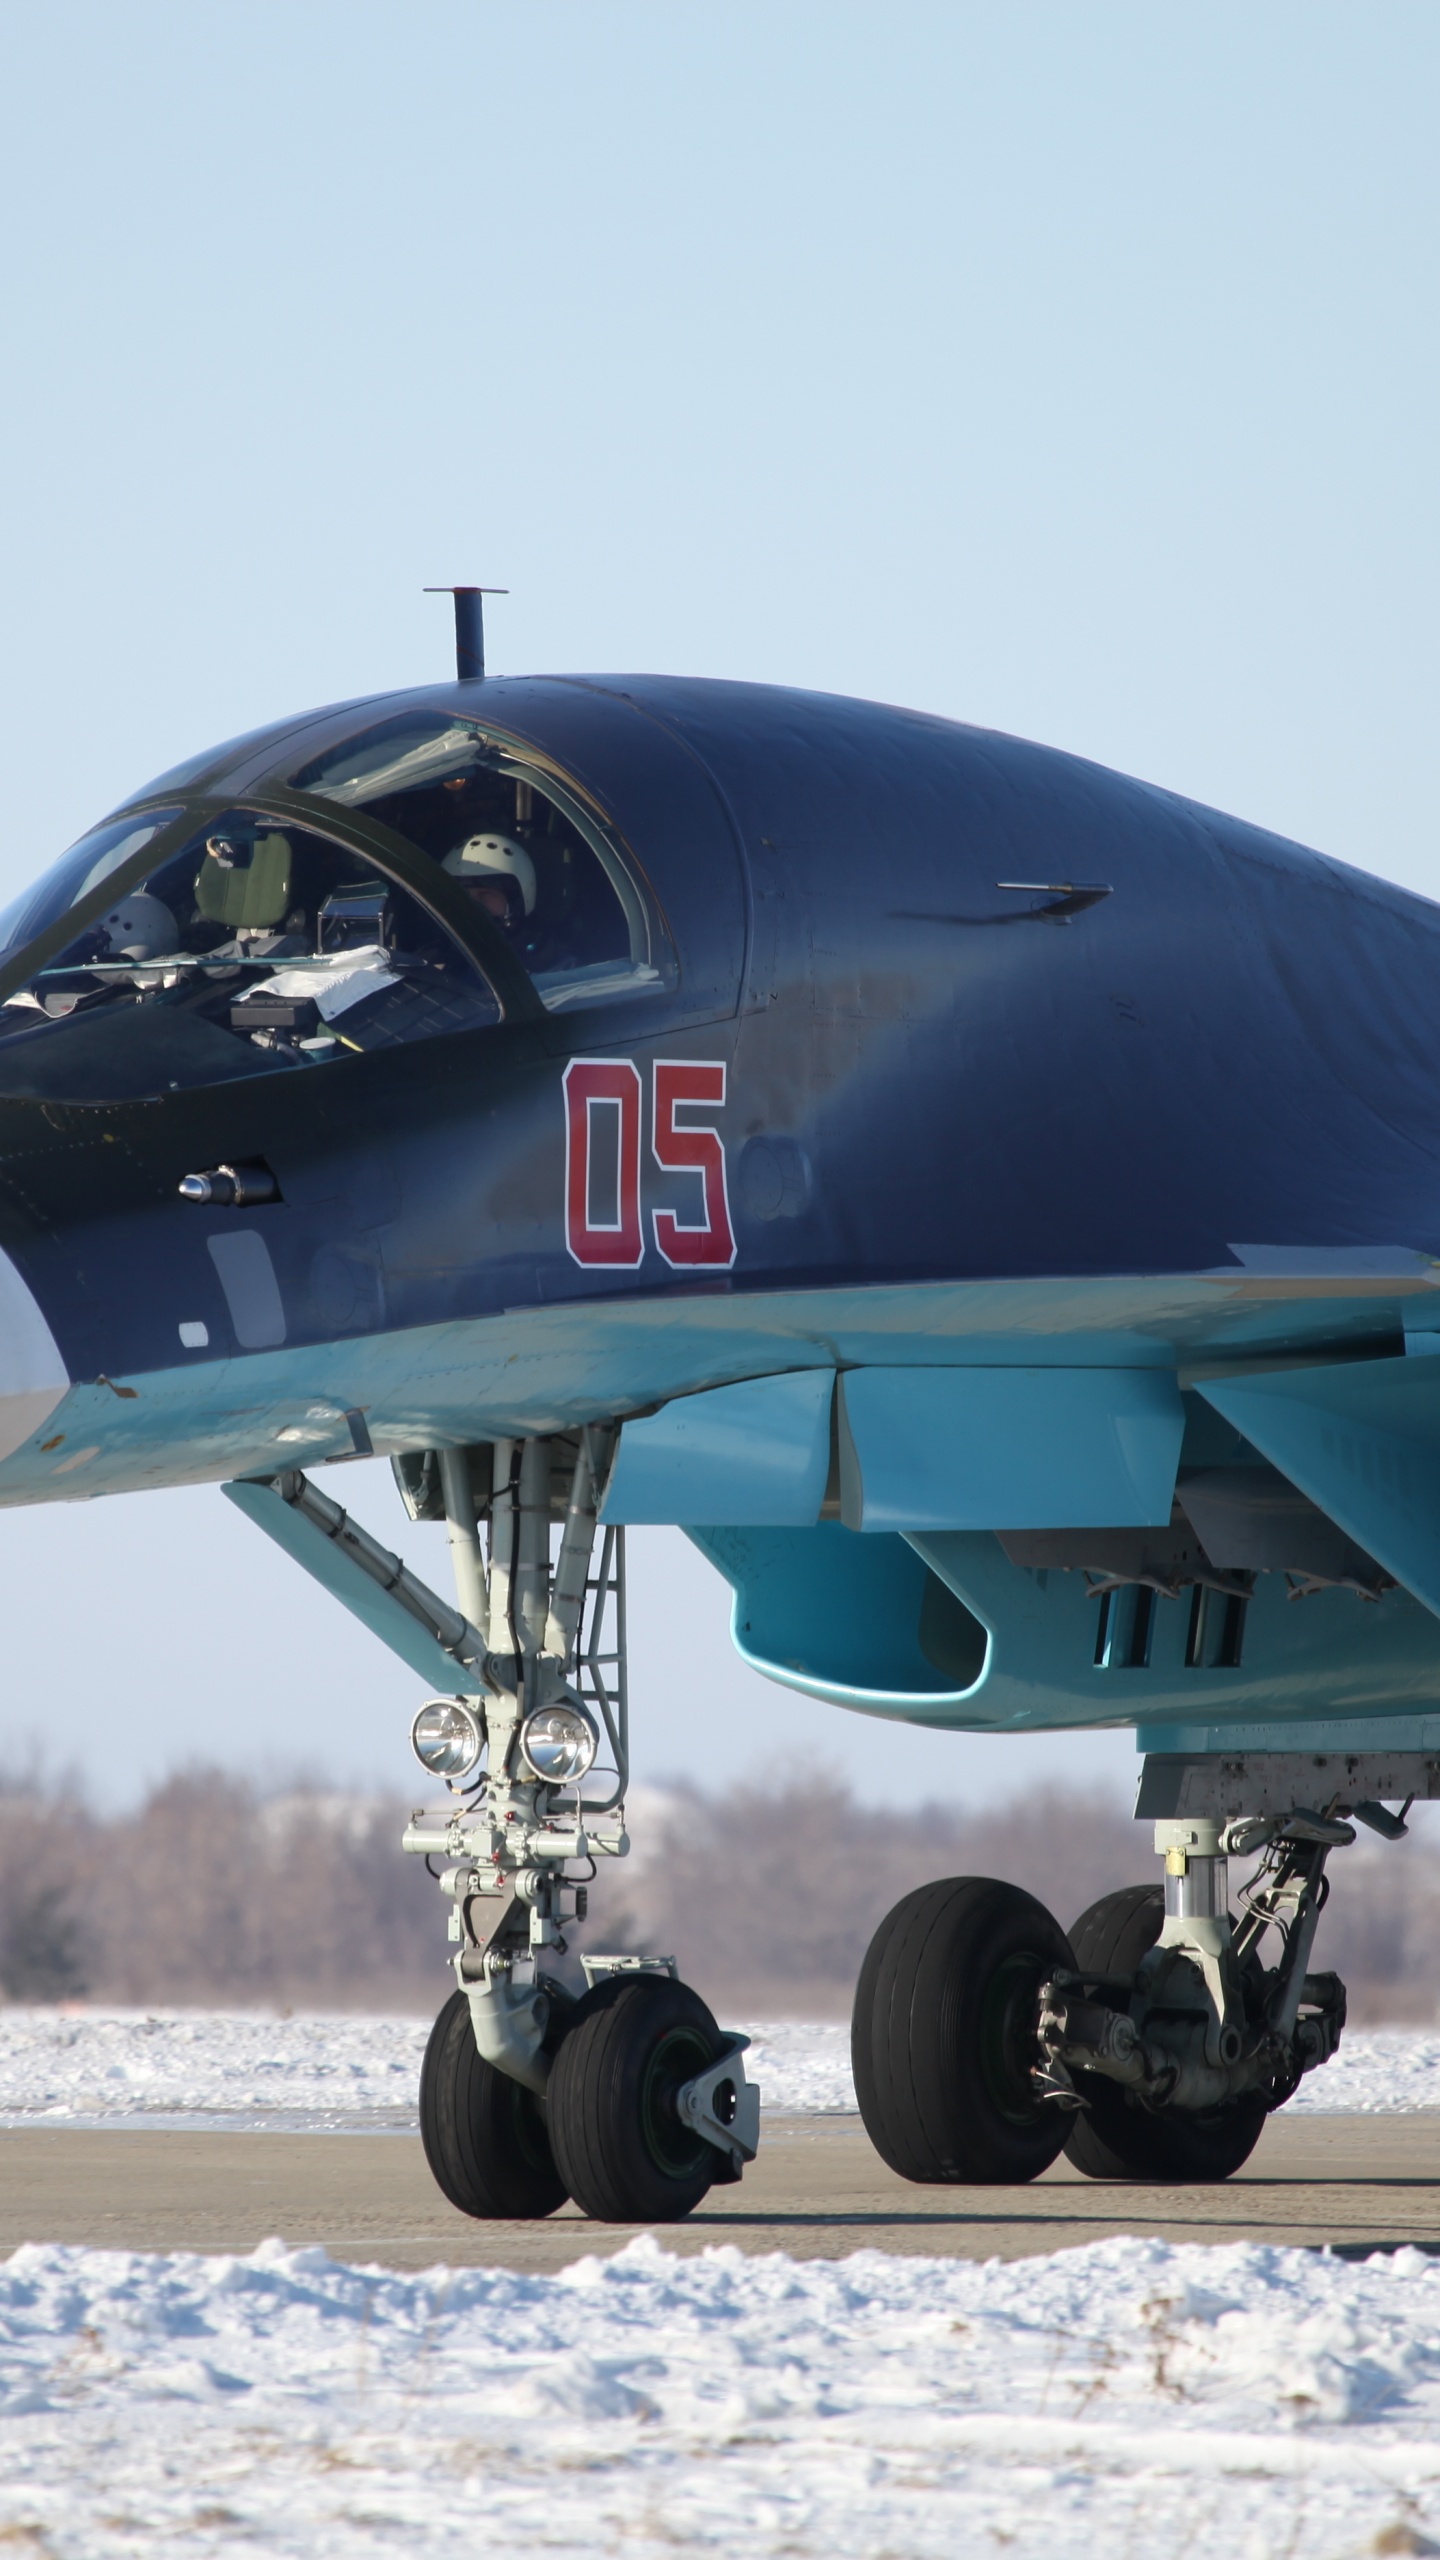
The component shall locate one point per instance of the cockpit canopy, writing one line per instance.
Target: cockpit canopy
(528, 851)
(415, 875)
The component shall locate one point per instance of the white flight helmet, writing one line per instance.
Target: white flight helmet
(497, 858)
(139, 927)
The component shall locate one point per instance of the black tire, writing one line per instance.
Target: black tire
(623, 2151)
(943, 2035)
(484, 2135)
(1116, 2136)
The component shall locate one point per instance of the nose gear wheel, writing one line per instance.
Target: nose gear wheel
(624, 2150)
(484, 2135)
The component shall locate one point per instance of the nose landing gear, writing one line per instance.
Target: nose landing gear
(629, 2099)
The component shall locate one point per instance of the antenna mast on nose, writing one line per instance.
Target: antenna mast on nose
(469, 628)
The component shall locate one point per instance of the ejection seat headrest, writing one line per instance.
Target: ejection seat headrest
(244, 882)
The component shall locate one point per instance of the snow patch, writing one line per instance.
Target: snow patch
(1124, 2396)
(101, 2066)
(347, 2072)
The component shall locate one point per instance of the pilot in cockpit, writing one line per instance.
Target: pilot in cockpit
(139, 927)
(499, 876)
(553, 904)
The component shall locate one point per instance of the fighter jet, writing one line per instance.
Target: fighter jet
(990, 1204)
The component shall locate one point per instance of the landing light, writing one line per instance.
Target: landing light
(447, 1738)
(559, 1744)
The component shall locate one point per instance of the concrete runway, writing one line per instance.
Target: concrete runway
(816, 2191)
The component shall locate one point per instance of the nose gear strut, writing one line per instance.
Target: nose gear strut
(637, 2102)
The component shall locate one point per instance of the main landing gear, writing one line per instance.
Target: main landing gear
(1153, 2041)
(603, 2080)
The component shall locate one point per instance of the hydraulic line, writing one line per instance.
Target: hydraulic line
(502, 1549)
(577, 1540)
(531, 1596)
(458, 1489)
(454, 1633)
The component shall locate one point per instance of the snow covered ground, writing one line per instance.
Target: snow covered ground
(102, 2066)
(353, 2073)
(1127, 2398)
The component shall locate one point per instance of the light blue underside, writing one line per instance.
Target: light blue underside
(932, 1448)
(1331, 1654)
(836, 1617)
(753, 1454)
(1364, 1442)
(1348, 1733)
(837, 1614)
(1008, 1448)
(548, 1368)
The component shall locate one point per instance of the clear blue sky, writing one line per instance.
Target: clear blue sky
(1068, 369)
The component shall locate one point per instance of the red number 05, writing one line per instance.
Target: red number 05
(683, 1084)
(602, 1164)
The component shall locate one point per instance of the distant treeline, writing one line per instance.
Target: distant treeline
(768, 1896)
(215, 1893)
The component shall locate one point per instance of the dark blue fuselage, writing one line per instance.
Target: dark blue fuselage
(1233, 1047)
(1023, 1062)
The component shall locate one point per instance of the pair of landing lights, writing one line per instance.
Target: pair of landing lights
(557, 1744)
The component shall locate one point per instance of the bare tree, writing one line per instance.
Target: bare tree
(46, 1852)
(768, 1895)
(213, 1892)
